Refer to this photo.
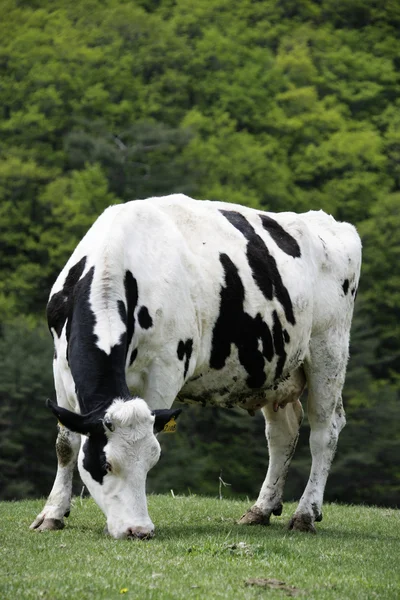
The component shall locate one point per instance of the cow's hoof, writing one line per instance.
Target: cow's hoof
(42, 524)
(254, 516)
(38, 521)
(302, 523)
(278, 510)
(318, 518)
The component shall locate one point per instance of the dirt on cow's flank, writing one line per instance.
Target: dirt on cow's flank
(200, 552)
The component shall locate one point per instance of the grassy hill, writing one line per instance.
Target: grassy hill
(199, 552)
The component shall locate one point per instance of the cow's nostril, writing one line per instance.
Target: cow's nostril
(139, 533)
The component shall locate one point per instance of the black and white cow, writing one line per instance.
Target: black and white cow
(202, 301)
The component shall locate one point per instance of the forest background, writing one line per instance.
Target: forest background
(276, 104)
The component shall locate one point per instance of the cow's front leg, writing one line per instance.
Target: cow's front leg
(59, 500)
(282, 432)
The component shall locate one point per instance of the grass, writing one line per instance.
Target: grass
(199, 552)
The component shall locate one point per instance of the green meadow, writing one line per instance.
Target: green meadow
(200, 552)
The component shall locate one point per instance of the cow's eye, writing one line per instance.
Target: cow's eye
(108, 467)
(109, 424)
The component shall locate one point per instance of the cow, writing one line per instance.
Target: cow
(200, 301)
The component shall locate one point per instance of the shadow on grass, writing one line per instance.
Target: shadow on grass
(259, 533)
(229, 528)
(178, 532)
(255, 532)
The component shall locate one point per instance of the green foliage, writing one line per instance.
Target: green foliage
(382, 294)
(140, 161)
(28, 430)
(199, 552)
(206, 447)
(366, 468)
(277, 105)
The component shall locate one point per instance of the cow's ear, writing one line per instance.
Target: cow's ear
(165, 420)
(84, 424)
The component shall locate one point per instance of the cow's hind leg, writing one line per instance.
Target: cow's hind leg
(59, 500)
(325, 371)
(282, 432)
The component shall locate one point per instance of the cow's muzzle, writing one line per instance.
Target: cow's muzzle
(139, 533)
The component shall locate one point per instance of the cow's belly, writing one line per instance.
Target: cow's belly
(228, 388)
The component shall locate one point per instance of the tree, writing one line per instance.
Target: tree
(381, 295)
(28, 430)
(143, 160)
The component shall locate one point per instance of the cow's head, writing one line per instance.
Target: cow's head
(118, 451)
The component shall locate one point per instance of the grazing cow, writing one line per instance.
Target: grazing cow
(206, 302)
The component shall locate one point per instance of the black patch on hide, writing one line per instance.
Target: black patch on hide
(282, 238)
(94, 459)
(262, 263)
(183, 350)
(60, 304)
(345, 286)
(144, 318)
(279, 344)
(133, 356)
(235, 326)
(131, 293)
(99, 377)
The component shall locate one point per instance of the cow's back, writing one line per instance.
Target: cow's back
(224, 298)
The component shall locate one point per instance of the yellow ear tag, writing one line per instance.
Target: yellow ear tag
(170, 427)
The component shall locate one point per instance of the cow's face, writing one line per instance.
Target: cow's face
(114, 463)
(116, 454)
